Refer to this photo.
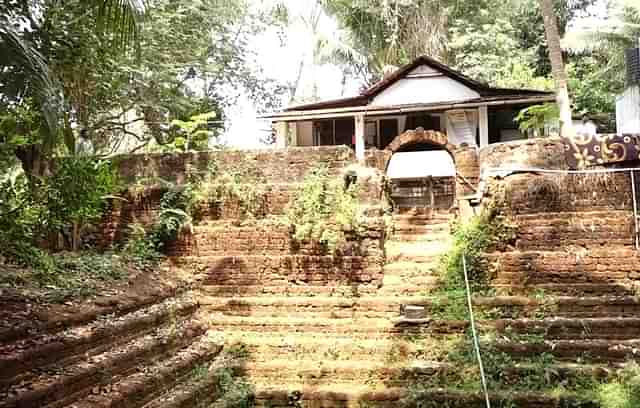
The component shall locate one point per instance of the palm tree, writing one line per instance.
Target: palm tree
(557, 66)
(610, 39)
(28, 72)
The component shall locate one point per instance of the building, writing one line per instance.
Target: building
(423, 94)
(628, 104)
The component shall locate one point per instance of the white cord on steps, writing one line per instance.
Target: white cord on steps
(475, 334)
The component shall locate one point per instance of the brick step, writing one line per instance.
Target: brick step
(418, 217)
(566, 373)
(351, 371)
(613, 277)
(66, 317)
(549, 231)
(560, 306)
(200, 388)
(415, 251)
(375, 328)
(409, 373)
(566, 289)
(610, 328)
(60, 385)
(285, 289)
(412, 286)
(293, 346)
(314, 306)
(76, 342)
(607, 351)
(283, 324)
(347, 395)
(418, 237)
(409, 269)
(410, 228)
(154, 379)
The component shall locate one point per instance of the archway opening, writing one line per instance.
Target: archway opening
(422, 173)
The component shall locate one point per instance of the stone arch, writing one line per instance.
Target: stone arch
(418, 136)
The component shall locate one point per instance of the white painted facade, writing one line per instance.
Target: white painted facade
(628, 111)
(424, 85)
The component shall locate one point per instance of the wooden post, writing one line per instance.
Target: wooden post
(483, 124)
(359, 119)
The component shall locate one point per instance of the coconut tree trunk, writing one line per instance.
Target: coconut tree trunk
(557, 66)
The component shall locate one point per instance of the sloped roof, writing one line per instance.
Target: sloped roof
(368, 94)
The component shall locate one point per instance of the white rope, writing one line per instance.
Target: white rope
(489, 171)
(476, 343)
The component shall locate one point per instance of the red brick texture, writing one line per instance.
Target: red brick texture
(276, 165)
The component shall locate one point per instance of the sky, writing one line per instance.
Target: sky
(281, 62)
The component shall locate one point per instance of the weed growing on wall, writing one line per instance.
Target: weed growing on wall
(324, 210)
(473, 240)
(623, 391)
(176, 207)
(243, 183)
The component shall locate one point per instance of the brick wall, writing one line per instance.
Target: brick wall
(276, 165)
(547, 153)
(236, 251)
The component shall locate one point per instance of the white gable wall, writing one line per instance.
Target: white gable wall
(424, 85)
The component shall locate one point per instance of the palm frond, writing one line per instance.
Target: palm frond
(122, 18)
(17, 54)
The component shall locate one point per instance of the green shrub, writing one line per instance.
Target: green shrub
(323, 210)
(176, 207)
(623, 391)
(244, 183)
(140, 251)
(76, 193)
(473, 240)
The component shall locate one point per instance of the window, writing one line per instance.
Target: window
(423, 120)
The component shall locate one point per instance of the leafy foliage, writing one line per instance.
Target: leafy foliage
(471, 241)
(323, 210)
(175, 214)
(77, 191)
(623, 391)
(536, 117)
(243, 182)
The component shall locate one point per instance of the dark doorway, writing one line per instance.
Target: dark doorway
(388, 131)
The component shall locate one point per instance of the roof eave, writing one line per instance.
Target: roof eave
(383, 110)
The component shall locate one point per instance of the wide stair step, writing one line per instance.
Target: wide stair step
(611, 328)
(309, 306)
(65, 318)
(58, 386)
(428, 252)
(19, 357)
(570, 288)
(573, 350)
(154, 379)
(356, 372)
(559, 306)
(347, 396)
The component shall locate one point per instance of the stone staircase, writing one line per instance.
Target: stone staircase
(300, 328)
(130, 354)
(323, 338)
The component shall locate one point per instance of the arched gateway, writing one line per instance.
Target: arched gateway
(417, 137)
(422, 170)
